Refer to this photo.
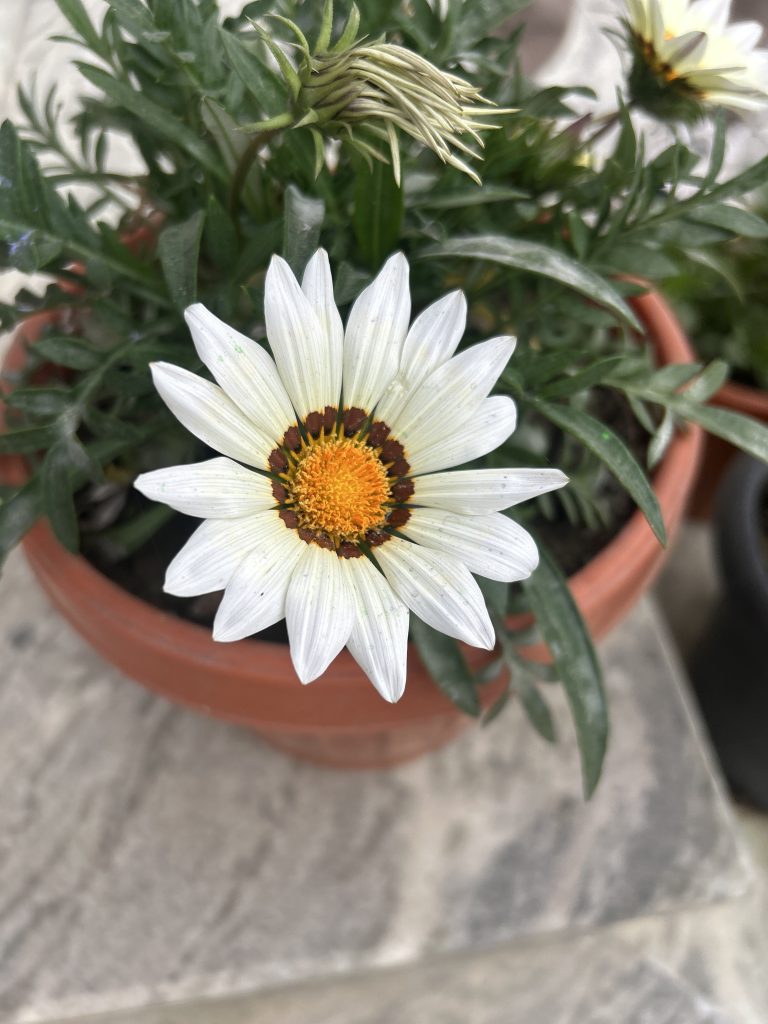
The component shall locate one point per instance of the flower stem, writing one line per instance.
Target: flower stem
(244, 165)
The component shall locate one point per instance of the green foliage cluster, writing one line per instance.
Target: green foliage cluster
(542, 249)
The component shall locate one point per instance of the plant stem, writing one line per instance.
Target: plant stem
(244, 165)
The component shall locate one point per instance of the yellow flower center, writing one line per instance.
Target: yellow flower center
(340, 488)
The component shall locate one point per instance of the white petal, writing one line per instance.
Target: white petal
(246, 373)
(376, 329)
(298, 341)
(255, 595)
(433, 338)
(317, 285)
(478, 491)
(213, 552)
(745, 34)
(493, 546)
(452, 392)
(206, 412)
(490, 426)
(439, 589)
(379, 638)
(216, 489)
(320, 611)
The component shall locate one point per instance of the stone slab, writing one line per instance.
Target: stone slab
(150, 855)
(581, 982)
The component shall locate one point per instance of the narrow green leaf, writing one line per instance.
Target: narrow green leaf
(57, 481)
(611, 450)
(156, 118)
(63, 350)
(590, 376)
(378, 212)
(732, 218)
(260, 81)
(708, 382)
(179, 250)
(537, 710)
(742, 431)
(445, 663)
(18, 514)
(661, 439)
(75, 13)
(44, 402)
(536, 259)
(27, 440)
(565, 633)
(302, 222)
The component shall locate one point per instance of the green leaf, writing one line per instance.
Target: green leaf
(179, 250)
(732, 218)
(44, 402)
(742, 431)
(378, 213)
(537, 710)
(564, 632)
(57, 482)
(536, 259)
(302, 221)
(76, 14)
(220, 236)
(18, 515)
(27, 440)
(661, 439)
(708, 382)
(582, 379)
(63, 350)
(445, 663)
(260, 81)
(156, 118)
(750, 179)
(611, 450)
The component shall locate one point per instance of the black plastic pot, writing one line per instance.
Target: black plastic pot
(730, 669)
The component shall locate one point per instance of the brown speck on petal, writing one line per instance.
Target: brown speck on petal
(376, 538)
(398, 517)
(354, 418)
(349, 550)
(290, 518)
(329, 418)
(277, 461)
(398, 468)
(314, 424)
(292, 439)
(378, 434)
(279, 492)
(402, 491)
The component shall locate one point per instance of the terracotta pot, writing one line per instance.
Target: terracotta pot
(719, 453)
(339, 719)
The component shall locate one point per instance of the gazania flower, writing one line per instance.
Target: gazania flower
(347, 517)
(687, 55)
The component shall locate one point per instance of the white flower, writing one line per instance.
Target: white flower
(689, 47)
(350, 519)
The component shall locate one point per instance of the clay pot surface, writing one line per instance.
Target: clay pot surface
(718, 454)
(339, 719)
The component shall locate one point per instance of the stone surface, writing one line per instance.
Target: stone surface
(581, 982)
(152, 855)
